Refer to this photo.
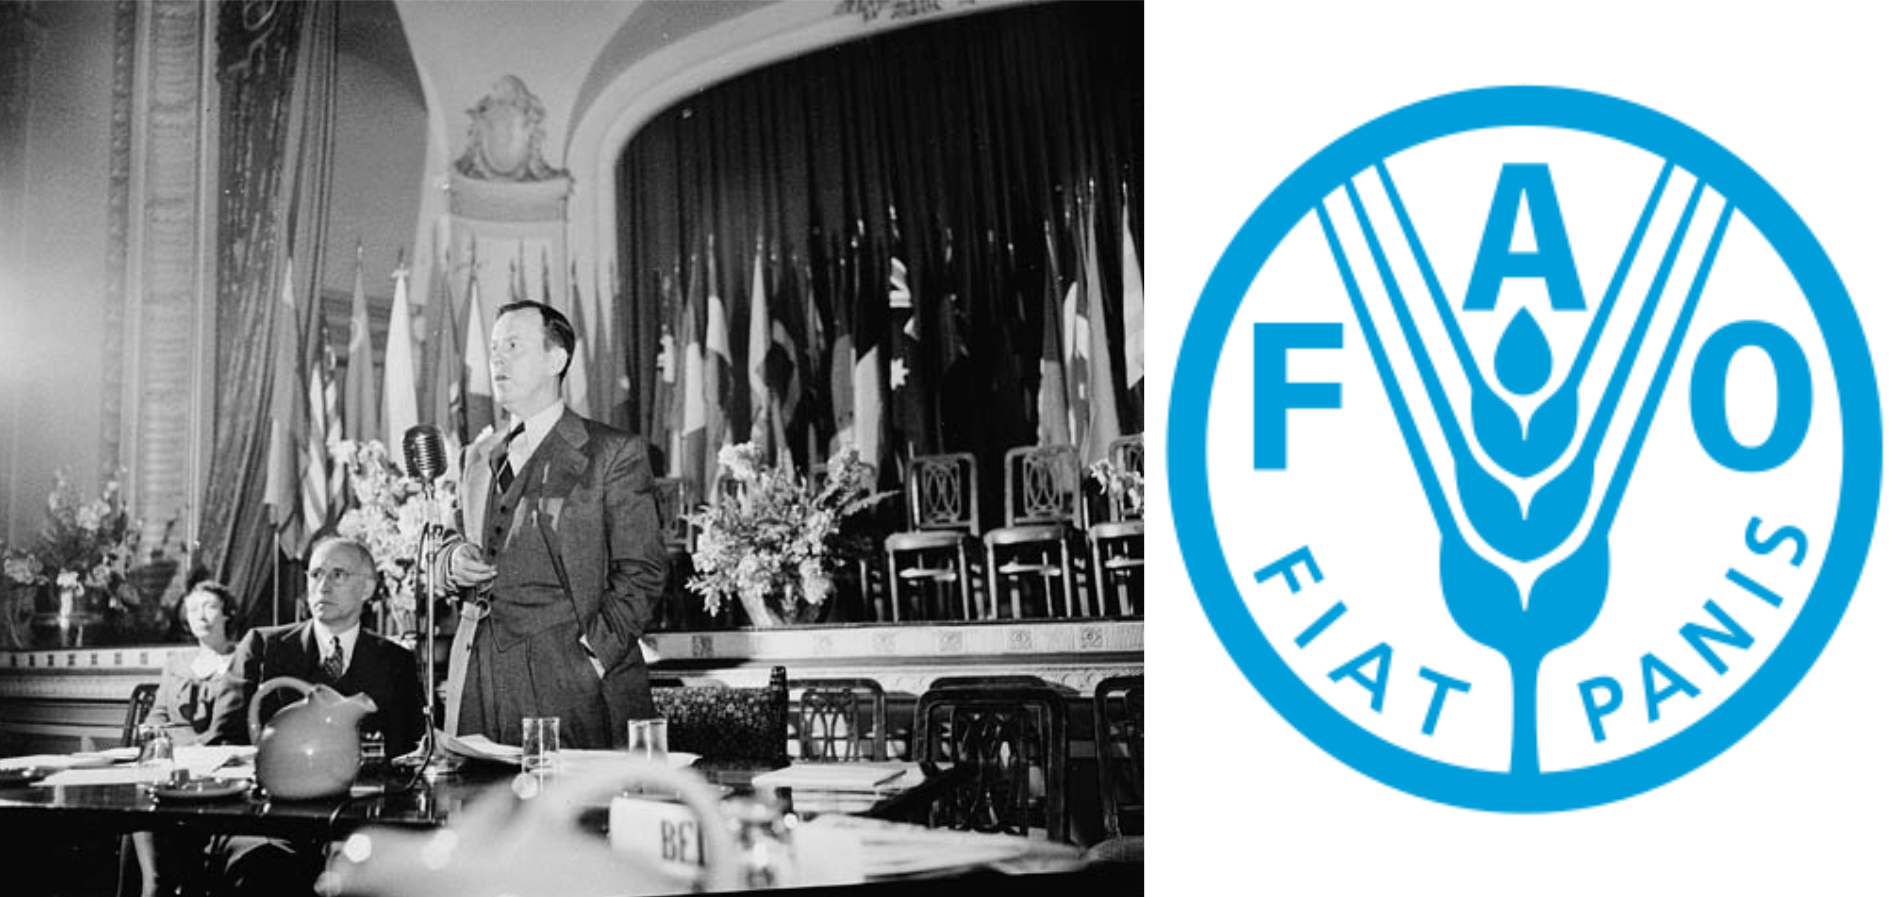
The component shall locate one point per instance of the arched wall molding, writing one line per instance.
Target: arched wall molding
(601, 129)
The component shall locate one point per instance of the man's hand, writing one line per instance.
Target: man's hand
(466, 567)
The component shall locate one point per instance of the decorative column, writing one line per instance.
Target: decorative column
(20, 38)
(157, 383)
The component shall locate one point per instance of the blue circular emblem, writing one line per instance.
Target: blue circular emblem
(1218, 566)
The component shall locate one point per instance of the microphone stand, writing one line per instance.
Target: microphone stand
(433, 762)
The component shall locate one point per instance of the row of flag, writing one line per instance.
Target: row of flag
(306, 491)
(816, 377)
(865, 371)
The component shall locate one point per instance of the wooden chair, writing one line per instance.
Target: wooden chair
(729, 727)
(1118, 752)
(1002, 681)
(840, 719)
(935, 551)
(1002, 751)
(1042, 523)
(143, 696)
(1115, 545)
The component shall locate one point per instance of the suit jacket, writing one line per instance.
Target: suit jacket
(381, 669)
(592, 486)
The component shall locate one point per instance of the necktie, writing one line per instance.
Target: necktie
(335, 663)
(505, 471)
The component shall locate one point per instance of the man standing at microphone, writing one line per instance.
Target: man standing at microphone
(559, 552)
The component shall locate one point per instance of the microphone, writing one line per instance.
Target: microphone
(426, 453)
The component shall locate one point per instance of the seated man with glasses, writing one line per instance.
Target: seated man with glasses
(329, 649)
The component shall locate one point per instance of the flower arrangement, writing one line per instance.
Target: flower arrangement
(389, 515)
(84, 544)
(1124, 486)
(774, 537)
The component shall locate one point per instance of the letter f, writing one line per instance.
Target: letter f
(1273, 395)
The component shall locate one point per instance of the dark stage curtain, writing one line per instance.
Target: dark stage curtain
(979, 152)
(276, 63)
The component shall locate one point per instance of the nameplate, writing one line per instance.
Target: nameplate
(669, 833)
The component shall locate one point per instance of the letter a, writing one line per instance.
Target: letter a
(1551, 261)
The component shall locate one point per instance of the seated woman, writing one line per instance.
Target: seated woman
(186, 699)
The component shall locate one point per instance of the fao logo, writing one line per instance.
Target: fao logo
(1524, 449)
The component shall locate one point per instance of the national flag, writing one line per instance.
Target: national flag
(281, 494)
(912, 391)
(840, 359)
(322, 488)
(948, 325)
(447, 410)
(360, 405)
(718, 371)
(786, 332)
(478, 391)
(762, 407)
(1076, 361)
(691, 447)
(869, 334)
(1104, 420)
(666, 413)
(519, 292)
(1053, 424)
(809, 413)
(1131, 304)
(403, 405)
(577, 378)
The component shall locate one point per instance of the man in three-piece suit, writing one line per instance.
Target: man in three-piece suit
(329, 649)
(561, 549)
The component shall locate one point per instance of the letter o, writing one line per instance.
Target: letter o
(1791, 420)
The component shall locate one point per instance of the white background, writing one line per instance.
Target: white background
(1238, 97)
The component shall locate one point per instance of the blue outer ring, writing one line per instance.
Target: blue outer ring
(1201, 547)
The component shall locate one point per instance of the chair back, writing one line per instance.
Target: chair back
(1042, 484)
(672, 502)
(143, 696)
(1118, 753)
(840, 719)
(1125, 453)
(728, 726)
(992, 744)
(995, 681)
(941, 493)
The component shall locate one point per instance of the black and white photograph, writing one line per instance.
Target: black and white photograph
(571, 447)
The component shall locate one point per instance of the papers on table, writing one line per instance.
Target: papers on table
(479, 747)
(872, 778)
(218, 761)
(840, 787)
(895, 849)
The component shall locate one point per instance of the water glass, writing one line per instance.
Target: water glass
(649, 739)
(541, 744)
(155, 753)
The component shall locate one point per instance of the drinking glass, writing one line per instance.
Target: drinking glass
(155, 753)
(649, 739)
(541, 744)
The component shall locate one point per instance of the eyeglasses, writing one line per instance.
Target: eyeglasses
(338, 575)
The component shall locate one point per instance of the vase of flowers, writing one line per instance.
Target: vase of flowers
(771, 539)
(81, 570)
(389, 516)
